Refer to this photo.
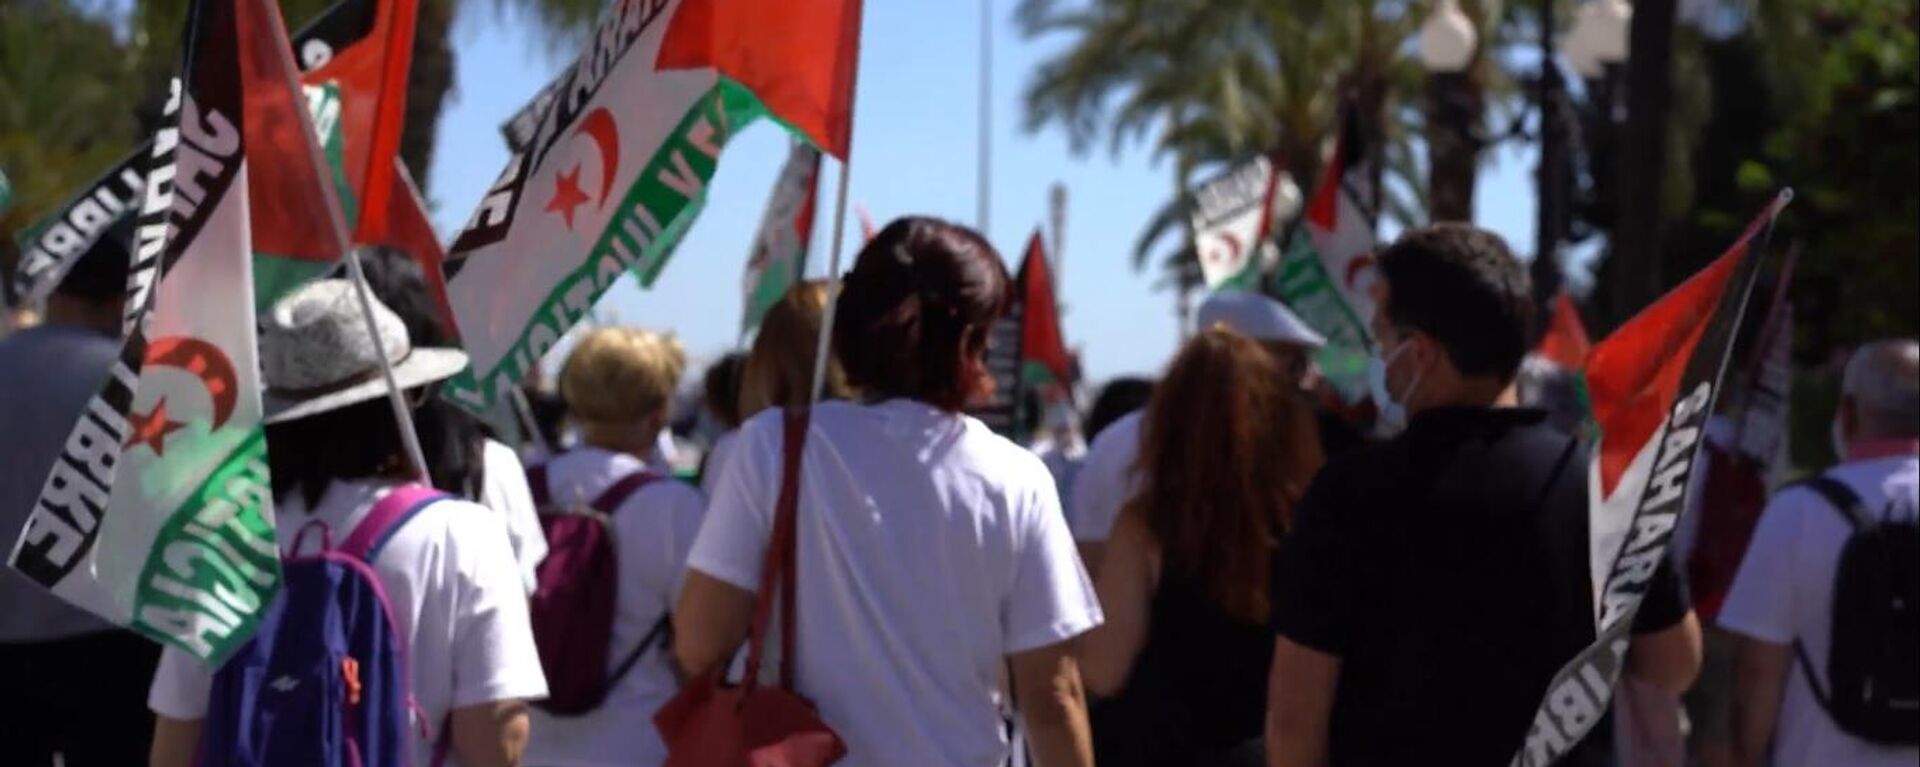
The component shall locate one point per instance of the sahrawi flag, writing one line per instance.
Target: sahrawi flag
(1653, 384)
(619, 165)
(345, 55)
(158, 514)
(780, 249)
(1232, 215)
(1328, 266)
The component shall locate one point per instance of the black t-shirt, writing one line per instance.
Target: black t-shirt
(1337, 437)
(1447, 569)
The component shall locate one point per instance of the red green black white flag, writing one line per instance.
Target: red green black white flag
(1653, 384)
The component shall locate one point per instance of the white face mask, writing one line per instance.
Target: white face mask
(1393, 410)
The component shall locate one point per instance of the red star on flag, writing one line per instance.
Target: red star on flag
(567, 195)
(152, 429)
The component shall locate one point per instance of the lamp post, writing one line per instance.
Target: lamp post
(1554, 178)
(1448, 45)
(1599, 37)
(1597, 50)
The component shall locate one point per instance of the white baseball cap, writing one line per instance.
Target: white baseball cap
(1258, 317)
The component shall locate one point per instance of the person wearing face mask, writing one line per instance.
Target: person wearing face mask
(1790, 608)
(1433, 584)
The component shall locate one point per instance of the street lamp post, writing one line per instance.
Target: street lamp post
(1597, 50)
(1448, 44)
(1555, 175)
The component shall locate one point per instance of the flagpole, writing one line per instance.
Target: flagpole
(402, 412)
(1763, 344)
(983, 205)
(523, 413)
(823, 347)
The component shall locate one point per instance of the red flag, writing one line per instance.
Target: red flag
(1040, 340)
(1653, 384)
(1566, 341)
(798, 56)
(290, 195)
(411, 232)
(371, 72)
(1635, 376)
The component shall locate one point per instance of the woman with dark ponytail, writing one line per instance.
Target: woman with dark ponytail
(932, 553)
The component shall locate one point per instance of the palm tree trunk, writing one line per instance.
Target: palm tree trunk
(1454, 104)
(1183, 288)
(427, 86)
(1634, 268)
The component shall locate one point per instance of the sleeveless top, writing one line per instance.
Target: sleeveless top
(1198, 691)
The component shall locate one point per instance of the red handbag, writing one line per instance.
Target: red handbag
(711, 723)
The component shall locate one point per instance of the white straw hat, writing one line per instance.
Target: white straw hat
(316, 354)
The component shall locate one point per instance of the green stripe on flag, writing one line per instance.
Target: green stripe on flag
(773, 285)
(274, 276)
(650, 220)
(213, 565)
(1305, 286)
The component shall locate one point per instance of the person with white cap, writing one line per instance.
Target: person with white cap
(1106, 478)
(334, 451)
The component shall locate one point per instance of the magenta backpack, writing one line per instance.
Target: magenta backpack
(324, 682)
(573, 602)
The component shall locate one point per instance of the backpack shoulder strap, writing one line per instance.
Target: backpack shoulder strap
(1843, 500)
(386, 518)
(610, 499)
(537, 484)
(1813, 682)
(661, 631)
(1847, 504)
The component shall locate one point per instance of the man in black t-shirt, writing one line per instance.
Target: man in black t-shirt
(1433, 584)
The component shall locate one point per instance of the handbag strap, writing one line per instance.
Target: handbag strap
(778, 568)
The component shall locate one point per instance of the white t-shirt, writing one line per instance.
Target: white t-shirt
(717, 456)
(1105, 480)
(1784, 592)
(455, 592)
(1062, 460)
(929, 549)
(653, 529)
(504, 490)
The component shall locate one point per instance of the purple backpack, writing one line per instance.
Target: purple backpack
(573, 600)
(324, 681)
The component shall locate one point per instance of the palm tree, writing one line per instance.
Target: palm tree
(1224, 79)
(63, 117)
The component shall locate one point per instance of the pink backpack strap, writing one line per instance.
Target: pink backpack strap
(623, 488)
(392, 511)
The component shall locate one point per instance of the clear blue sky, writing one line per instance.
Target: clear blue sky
(914, 151)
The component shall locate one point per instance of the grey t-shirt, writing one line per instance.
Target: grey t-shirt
(47, 374)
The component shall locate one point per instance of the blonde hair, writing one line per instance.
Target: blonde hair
(779, 370)
(619, 375)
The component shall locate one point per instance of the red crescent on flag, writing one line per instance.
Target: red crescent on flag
(598, 125)
(1355, 266)
(206, 362)
(1233, 247)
